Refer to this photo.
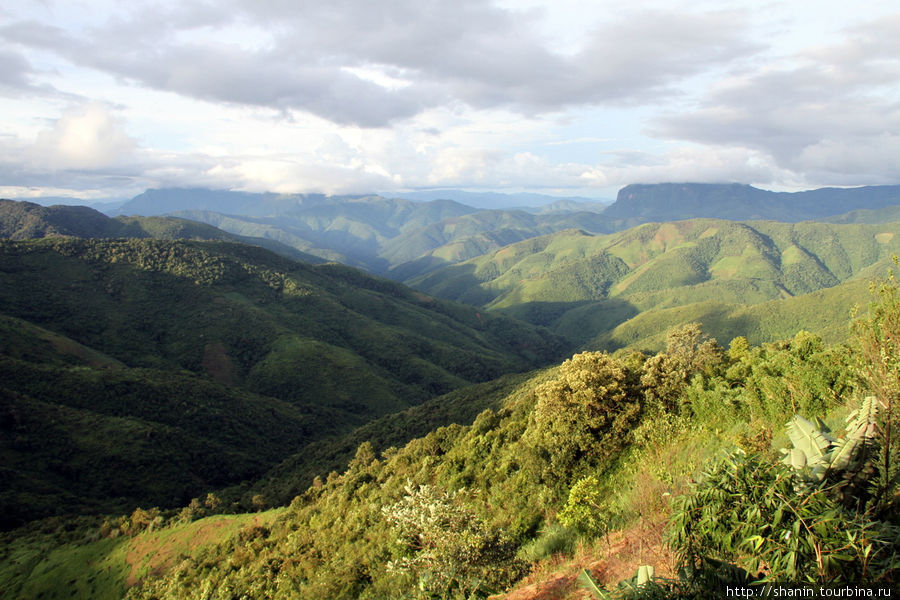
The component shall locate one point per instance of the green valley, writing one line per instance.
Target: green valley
(584, 286)
(549, 477)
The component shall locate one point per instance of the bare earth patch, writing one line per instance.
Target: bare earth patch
(608, 562)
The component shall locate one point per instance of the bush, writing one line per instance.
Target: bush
(583, 417)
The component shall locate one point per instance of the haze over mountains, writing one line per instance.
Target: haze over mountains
(403, 239)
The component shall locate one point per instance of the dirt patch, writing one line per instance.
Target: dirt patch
(666, 235)
(608, 562)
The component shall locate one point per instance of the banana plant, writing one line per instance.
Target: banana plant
(818, 456)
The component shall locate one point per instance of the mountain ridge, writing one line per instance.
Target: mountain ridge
(639, 203)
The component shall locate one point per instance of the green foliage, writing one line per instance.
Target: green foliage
(150, 371)
(878, 355)
(817, 456)
(456, 510)
(696, 270)
(666, 374)
(552, 539)
(586, 510)
(582, 417)
(640, 586)
(747, 510)
(450, 552)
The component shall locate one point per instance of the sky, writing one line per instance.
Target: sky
(104, 99)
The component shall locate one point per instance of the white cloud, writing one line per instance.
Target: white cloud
(86, 137)
(356, 96)
(830, 111)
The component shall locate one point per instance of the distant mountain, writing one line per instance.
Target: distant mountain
(104, 205)
(403, 239)
(456, 239)
(164, 201)
(26, 220)
(644, 203)
(351, 230)
(582, 285)
(495, 200)
(389, 236)
(872, 216)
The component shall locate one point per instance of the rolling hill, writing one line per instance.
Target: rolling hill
(396, 238)
(26, 220)
(403, 239)
(586, 467)
(583, 285)
(142, 372)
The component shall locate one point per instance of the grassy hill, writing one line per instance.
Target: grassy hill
(584, 285)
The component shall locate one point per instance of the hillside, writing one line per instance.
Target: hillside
(26, 220)
(397, 238)
(588, 465)
(177, 304)
(824, 312)
(141, 339)
(511, 201)
(583, 285)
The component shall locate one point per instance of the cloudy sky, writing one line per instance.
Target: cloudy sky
(573, 97)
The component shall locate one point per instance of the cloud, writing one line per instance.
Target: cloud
(831, 111)
(86, 137)
(17, 77)
(314, 56)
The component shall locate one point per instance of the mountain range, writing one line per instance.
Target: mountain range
(583, 285)
(404, 239)
(642, 203)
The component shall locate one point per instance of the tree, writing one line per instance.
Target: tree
(583, 417)
(688, 352)
(449, 551)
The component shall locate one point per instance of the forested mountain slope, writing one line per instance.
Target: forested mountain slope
(211, 361)
(404, 239)
(396, 238)
(26, 220)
